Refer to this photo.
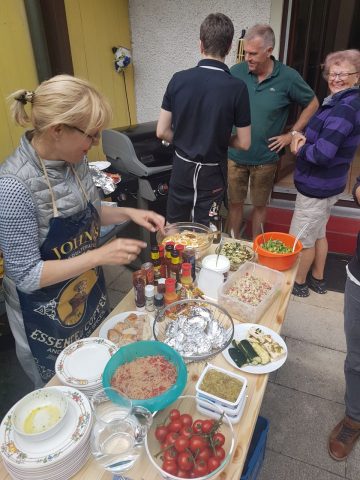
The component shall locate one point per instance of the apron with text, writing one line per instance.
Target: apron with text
(60, 314)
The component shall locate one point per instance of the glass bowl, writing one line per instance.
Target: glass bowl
(196, 328)
(190, 234)
(187, 404)
(40, 414)
(150, 348)
(237, 252)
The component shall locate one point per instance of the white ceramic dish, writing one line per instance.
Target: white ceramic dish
(211, 413)
(240, 333)
(40, 414)
(221, 401)
(231, 412)
(82, 363)
(129, 334)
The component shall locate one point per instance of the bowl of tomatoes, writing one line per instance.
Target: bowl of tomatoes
(183, 442)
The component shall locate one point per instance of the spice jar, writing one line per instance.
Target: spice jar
(149, 271)
(149, 298)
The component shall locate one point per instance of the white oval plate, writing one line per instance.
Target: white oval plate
(101, 165)
(130, 332)
(82, 363)
(240, 333)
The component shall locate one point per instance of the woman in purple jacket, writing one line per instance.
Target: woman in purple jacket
(323, 158)
(347, 431)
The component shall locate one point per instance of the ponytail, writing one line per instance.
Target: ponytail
(17, 109)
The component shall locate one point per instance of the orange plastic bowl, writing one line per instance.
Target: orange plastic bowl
(277, 261)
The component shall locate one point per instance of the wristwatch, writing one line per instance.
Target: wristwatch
(294, 132)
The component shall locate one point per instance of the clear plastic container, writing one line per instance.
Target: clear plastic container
(245, 311)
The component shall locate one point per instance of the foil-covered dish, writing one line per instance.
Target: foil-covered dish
(107, 182)
(197, 329)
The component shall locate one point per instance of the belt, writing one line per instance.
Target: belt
(198, 167)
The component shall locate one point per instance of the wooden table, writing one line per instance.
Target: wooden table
(143, 470)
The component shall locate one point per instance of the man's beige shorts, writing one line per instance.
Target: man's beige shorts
(261, 182)
(315, 212)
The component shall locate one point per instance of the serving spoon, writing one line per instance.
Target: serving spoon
(299, 235)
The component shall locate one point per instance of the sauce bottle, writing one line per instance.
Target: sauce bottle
(180, 248)
(186, 278)
(189, 257)
(168, 252)
(158, 302)
(161, 285)
(175, 267)
(155, 260)
(162, 262)
(139, 282)
(170, 293)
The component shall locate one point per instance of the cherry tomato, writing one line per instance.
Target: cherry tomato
(204, 454)
(186, 432)
(182, 443)
(170, 467)
(201, 468)
(175, 426)
(160, 433)
(174, 414)
(197, 443)
(170, 454)
(171, 437)
(218, 439)
(213, 464)
(197, 426)
(186, 420)
(185, 461)
(207, 426)
(182, 474)
(219, 453)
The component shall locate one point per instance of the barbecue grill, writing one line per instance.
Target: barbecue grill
(145, 164)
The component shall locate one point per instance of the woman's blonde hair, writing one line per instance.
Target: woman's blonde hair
(62, 99)
(335, 58)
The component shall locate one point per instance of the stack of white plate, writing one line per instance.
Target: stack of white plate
(58, 457)
(81, 364)
(233, 410)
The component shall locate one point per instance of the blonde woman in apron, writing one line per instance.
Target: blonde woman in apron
(50, 218)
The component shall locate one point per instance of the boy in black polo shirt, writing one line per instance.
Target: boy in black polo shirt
(199, 109)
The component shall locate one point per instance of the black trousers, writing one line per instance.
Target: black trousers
(180, 203)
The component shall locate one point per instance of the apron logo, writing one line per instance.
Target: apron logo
(48, 309)
(67, 247)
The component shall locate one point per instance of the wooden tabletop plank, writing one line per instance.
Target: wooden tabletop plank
(143, 469)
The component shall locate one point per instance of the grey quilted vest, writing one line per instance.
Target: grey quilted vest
(24, 165)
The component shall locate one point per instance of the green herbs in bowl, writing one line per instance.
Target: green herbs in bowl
(275, 246)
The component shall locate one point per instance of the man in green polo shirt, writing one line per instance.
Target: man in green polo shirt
(272, 87)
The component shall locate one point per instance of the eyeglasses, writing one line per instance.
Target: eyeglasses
(341, 75)
(93, 138)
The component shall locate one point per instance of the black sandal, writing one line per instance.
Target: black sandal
(300, 290)
(318, 286)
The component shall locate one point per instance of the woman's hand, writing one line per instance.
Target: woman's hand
(297, 142)
(120, 251)
(146, 218)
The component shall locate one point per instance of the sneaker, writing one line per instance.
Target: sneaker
(343, 438)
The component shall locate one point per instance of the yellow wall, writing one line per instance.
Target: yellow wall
(17, 68)
(94, 28)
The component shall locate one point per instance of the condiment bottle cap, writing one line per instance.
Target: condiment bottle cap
(149, 290)
(186, 268)
(170, 284)
(162, 281)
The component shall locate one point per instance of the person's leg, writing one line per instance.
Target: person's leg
(179, 203)
(344, 435)
(234, 219)
(238, 180)
(306, 259)
(207, 200)
(321, 251)
(261, 184)
(258, 218)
